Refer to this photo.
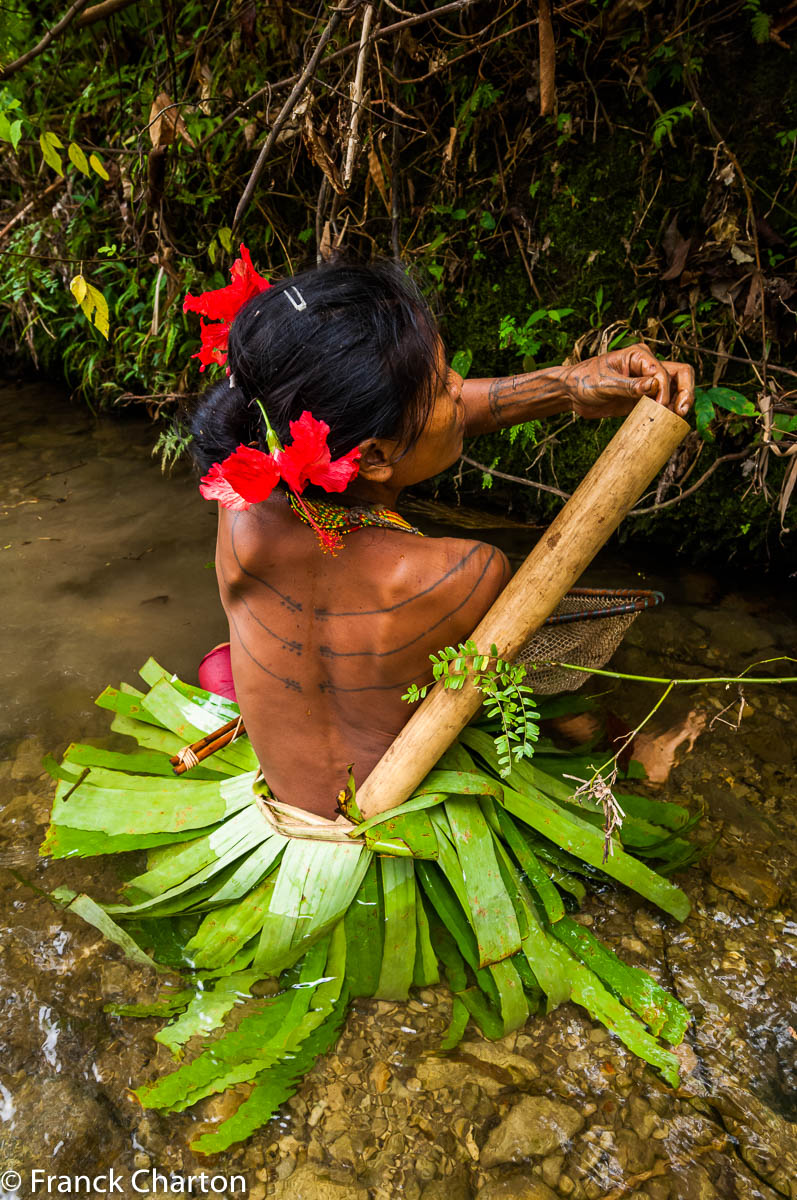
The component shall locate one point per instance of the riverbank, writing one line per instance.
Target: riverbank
(107, 561)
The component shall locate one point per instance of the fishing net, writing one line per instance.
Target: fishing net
(585, 630)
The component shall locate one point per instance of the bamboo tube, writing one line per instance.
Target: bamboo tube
(635, 455)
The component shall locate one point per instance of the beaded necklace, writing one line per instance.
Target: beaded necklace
(337, 519)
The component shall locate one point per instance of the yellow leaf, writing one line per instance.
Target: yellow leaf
(51, 156)
(78, 158)
(92, 302)
(225, 237)
(101, 315)
(54, 140)
(95, 162)
(78, 288)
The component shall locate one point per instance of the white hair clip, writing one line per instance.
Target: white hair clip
(302, 303)
(232, 379)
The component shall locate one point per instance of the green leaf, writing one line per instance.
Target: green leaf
(733, 402)
(364, 924)
(260, 1040)
(491, 910)
(173, 864)
(408, 833)
(426, 971)
(512, 998)
(165, 1006)
(660, 1011)
(665, 122)
(398, 959)
(92, 914)
(78, 158)
(704, 414)
(461, 362)
(275, 1085)
(314, 887)
(577, 836)
(456, 1029)
(10, 131)
(156, 805)
(781, 424)
(530, 865)
(143, 762)
(207, 1009)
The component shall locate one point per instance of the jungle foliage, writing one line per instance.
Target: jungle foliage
(561, 178)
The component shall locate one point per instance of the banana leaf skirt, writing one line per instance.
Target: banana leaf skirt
(472, 880)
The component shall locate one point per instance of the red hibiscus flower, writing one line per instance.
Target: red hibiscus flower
(308, 459)
(246, 477)
(214, 343)
(223, 305)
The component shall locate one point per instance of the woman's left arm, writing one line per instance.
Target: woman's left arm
(606, 386)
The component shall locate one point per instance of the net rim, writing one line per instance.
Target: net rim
(622, 602)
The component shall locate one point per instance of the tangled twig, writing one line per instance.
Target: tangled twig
(601, 790)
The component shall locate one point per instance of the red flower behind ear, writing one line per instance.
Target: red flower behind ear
(308, 459)
(223, 305)
(215, 339)
(246, 477)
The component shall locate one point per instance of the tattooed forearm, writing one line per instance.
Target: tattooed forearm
(492, 404)
(523, 397)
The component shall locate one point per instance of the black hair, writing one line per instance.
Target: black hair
(360, 354)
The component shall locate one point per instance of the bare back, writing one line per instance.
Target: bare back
(323, 647)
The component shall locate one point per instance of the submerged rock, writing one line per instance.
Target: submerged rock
(516, 1187)
(535, 1126)
(61, 1123)
(311, 1183)
(748, 880)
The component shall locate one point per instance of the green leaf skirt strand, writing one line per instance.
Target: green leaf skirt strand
(471, 879)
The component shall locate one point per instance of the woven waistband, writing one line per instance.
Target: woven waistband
(293, 822)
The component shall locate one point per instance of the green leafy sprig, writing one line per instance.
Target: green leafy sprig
(506, 697)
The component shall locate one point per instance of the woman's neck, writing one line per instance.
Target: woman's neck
(366, 491)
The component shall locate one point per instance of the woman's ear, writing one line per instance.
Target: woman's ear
(376, 459)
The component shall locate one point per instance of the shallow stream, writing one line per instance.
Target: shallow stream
(107, 561)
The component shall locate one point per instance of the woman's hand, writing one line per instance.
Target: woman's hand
(610, 384)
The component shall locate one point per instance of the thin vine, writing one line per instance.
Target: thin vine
(505, 696)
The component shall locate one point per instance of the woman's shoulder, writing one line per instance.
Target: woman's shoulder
(457, 576)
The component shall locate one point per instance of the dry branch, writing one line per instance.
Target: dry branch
(98, 12)
(285, 112)
(635, 512)
(357, 96)
(385, 31)
(547, 59)
(23, 212)
(41, 46)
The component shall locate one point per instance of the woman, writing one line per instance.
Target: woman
(321, 647)
(339, 383)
